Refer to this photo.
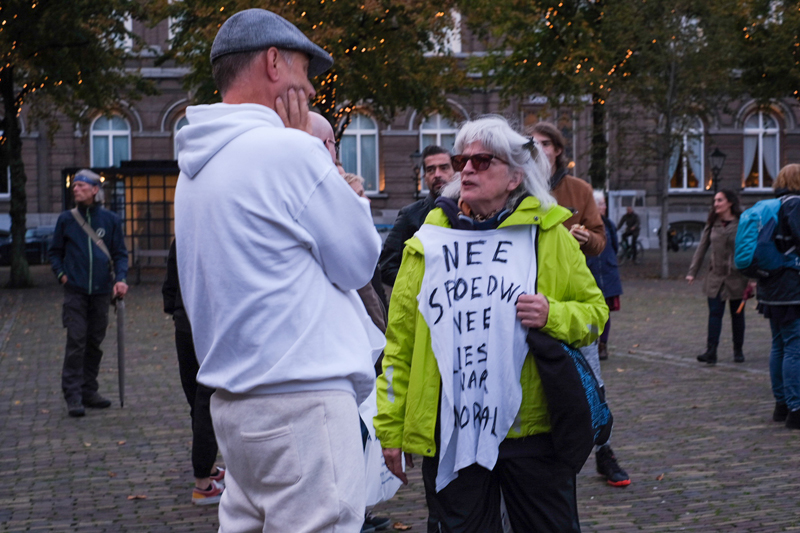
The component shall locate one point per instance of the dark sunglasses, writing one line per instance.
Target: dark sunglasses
(479, 161)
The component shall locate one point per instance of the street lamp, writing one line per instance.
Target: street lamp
(717, 160)
(416, 167)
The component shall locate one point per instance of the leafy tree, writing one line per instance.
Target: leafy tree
(57, 57)
(673, 60)
(385, 51)
(769, 51)
(557, 48)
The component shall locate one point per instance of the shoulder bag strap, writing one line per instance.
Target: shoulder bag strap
(94, 236)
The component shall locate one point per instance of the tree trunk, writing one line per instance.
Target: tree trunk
(597, 166)
(665, 142)
(20, 273)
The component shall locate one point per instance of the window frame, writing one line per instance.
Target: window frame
(354, 129)
(697, 131)
(760, 132)
(438, 131)
(109, 134)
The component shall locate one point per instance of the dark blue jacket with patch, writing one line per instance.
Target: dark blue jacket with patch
(73, 253)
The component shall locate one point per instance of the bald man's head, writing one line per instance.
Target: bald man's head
(322, 130)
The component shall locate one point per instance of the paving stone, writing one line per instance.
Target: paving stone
(698, 441)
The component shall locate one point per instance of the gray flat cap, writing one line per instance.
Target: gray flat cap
(259, 29)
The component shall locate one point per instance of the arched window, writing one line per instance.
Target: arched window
(439, 131)
(358, 150)
(183, 121)
(686, 162)
(111, 141)
(760, 151)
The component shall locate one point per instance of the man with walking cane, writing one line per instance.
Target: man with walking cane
(90, 261)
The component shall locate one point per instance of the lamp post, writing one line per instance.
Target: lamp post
(717, 160)
(416, 167)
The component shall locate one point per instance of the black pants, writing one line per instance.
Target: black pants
(631, 239)
(86, 319)
(204, 442)
(716, 309)
(539, 493)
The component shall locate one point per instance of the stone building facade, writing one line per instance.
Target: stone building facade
(756, 142)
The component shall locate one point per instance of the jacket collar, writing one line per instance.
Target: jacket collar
(555, 179)
(528, 212)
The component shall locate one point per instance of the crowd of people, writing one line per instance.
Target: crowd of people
(285, 329)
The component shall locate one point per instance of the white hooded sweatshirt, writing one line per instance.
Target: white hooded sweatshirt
(271, 243)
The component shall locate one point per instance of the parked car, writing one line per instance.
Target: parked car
(37, 242)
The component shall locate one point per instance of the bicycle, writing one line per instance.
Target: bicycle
(677, 240)
(625, 253)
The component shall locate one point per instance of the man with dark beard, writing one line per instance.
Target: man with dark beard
(438, 173)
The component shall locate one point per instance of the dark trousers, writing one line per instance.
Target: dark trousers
(539, 493)
(716, 308)
(631, 239)
(204, 442)
(606, 330)
(86, 319)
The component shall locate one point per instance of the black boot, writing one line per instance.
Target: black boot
(781, 412)
(738, 355)
(710, 355)
(793, 419)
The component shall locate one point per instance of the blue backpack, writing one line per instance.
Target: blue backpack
(756, 255)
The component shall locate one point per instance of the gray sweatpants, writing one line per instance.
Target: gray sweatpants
(294, 462)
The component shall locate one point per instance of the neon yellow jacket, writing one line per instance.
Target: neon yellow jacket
(408, 389)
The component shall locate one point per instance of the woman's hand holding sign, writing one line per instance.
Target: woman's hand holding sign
(394, 462)
(532, 310)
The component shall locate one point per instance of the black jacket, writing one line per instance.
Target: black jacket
(171, 291)
(73, 253)
(783, 288)
(409, 220)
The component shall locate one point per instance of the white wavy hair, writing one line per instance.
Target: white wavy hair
(500, 139)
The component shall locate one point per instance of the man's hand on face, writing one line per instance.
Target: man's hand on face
(294, 113)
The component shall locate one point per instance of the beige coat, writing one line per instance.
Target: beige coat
(722, 278)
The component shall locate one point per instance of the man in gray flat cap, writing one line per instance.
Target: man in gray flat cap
(271, 246)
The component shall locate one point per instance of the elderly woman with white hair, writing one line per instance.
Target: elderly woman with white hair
(459, 385)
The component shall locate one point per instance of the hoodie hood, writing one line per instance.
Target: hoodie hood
(212, 127)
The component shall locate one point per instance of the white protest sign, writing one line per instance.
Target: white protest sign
(468, 300)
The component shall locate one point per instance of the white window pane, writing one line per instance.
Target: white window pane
(367, 123)
(428, 124)
(752, 121)
(770, 147)
(181, 123)
(770, 122)
(446, 124)
(695, 155)
(119, 124)
(100, 151)
(348, 153)
(448, 141)
(428, 139)
(369, 159)
(120, 149)
(101, 123)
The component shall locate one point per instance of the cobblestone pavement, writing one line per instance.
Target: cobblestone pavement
(698, 442)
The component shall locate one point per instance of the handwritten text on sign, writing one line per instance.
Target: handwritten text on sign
(468, 299)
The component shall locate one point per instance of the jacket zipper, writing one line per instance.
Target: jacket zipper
(91, 259)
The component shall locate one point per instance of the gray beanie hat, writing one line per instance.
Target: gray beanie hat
(259, 29)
